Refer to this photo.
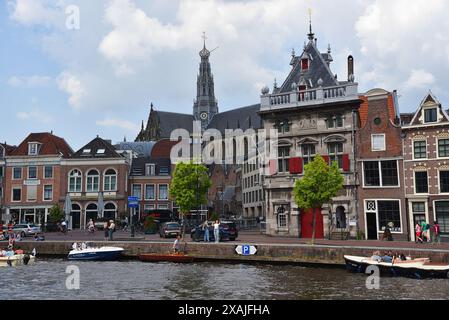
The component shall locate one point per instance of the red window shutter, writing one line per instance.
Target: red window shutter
(346, 163)
(295, 165)
(327, 159)
(273, 167)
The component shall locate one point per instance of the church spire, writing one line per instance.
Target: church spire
(311, 35)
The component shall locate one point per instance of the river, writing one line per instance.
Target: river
(130, 279)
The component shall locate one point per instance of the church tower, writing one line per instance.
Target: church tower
(205, 106)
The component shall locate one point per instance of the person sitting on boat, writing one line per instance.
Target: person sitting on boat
(75, 246)
(19, 251)
(387, 257)
(376, 256)
(83, 246)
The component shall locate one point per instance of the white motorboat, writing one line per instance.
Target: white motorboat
(102, 253)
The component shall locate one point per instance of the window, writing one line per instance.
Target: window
(110, 180)
(333, 122)
(419, 212)
(389, 214)
(101, 151)
(110, 211)
(282, 221)
(335, 150)
(48, 193)
(48, 172)
(150, 169)
(163, 192)
(389, 173)
(444, 181)
(283, 159)
(371, 173)
(163, 171)
(33, 149)
(150, 192)
(149, 207)
(304, 64)
(443, 148)
(378, 142)
(162, 206)
(137, 191)
(16, 194)
(75, 181)
(381, 173)
(442, 215)
(420, 149)
(421, 183)
(283, 126)
(92, 181)
(430, 115)
(17, 173)
(32, 172)
(308, 153)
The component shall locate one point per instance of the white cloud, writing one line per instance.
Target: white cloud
(34, 115)
(32, 12)
(30, 81)
(71, 84)
(118, 123)
(420, 79)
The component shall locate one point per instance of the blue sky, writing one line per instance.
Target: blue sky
(101, 78)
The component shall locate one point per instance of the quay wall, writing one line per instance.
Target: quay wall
(266, 253)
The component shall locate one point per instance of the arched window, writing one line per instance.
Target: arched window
(75, 181)
(76, 216)
(91, 212)
(110, 180)
(92, 181)
(110, 211)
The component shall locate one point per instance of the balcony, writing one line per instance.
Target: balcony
(311, 97)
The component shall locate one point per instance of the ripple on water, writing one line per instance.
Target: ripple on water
(204, 281)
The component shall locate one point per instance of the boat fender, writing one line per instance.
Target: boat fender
(26, 259)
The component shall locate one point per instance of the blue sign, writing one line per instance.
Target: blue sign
(133, 202)
(246, 250)
(134, 199)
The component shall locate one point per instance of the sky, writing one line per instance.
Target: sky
(96, 73)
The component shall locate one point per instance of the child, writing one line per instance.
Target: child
(418, 231)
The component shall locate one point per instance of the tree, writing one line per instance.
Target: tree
(189, 187)
(56, 214)
(318, 186)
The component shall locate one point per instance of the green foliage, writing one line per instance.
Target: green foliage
(319, 185)
(214, 216)
(189, 186)
(56, 214)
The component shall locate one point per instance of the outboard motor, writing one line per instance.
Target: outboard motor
(26, 259)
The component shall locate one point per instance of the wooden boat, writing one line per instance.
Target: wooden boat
(417, 268)
(17, 260)
(171, 257)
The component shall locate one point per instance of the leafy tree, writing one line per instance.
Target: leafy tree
(56, 214)
(189, 186)
(318, 186)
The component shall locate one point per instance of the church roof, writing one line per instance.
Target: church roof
(170, 121)
(142, 149)
(318, 69)
(243, 118)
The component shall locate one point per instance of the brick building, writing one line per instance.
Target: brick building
(96, 179)
(426, 162)
(5, 150)
(33, 177)
(380, 169)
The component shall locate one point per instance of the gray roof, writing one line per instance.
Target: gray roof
(318, 69)
(91, 150)
(139, 165)
(170, 121)
(142, 149)
(242, 118)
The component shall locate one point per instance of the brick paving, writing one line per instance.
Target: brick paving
(248, 237)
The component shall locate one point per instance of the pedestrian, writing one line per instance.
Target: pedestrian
(111, 229)
(177, 245)
(217, 231)
(418, 233)
(91, 226)
(205, 227)
(106, 231)
(436, 233)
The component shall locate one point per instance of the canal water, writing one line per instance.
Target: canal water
(46, 279)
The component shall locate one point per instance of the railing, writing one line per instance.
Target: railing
(311, 96)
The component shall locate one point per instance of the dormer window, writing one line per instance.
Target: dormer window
(33, 149)
(304, 64)
(86, 151)
(430, 115)
(150, 169)
(101, 151)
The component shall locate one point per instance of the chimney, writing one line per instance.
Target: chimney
(351, 69)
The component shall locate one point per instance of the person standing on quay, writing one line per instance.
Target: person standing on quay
(205, 227)
(217, 231)
(106, 231)
(111, 229)
(436, 233)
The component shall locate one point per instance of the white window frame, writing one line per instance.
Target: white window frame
(12, 194)
(424, 115)
(163, 207)
(437, 146)
(154, 191)
(21, 173)
(413, 149)
(150, 169)
(159, 192)
(37, 173)
(380, 175)
(92, 179)
(377, 215)
(80, 176)
(43, 192)
(278, 221)
(107, 180)
(33, 148)
(378, 135)
(52, 172)
(132, 190)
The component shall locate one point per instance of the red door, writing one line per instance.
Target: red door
(307, 224)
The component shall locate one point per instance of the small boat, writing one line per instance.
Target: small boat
(411, 268)
(17, 260)
(171, 257)
(99, 254)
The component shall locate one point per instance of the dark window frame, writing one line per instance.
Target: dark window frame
(421, 183)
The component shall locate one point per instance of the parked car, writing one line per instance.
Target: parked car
(233, 230)
(26, 229)
(197, 233)
(170, 229)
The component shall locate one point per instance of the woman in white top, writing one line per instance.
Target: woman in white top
(217, 231)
